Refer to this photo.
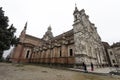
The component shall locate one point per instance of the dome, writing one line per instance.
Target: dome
(49, 28)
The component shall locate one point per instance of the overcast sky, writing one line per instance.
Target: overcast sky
(39, 14)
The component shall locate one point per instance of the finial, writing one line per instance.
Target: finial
(49, 25)
(75, 5)
(49, 28)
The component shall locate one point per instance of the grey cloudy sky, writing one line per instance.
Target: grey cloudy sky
(39, 14)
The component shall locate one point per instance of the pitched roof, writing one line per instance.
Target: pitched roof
(65, 34)
(32, 37)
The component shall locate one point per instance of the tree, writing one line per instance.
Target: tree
(7, 37)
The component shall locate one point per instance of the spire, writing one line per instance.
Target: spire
(23, 33)
(25, 26)
(24, 30)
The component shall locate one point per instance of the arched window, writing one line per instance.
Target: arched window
(27, 55)
(71, 52)
(60, 53)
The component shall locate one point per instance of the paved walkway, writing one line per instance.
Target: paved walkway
(98, 70)
(10, 71)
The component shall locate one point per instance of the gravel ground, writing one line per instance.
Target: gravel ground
(10, 71)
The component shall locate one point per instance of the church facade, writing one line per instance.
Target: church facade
(82, 44)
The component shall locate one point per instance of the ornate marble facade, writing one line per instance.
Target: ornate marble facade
(88, 45)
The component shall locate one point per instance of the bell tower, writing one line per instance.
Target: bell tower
(78, 37)
(88, 45)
